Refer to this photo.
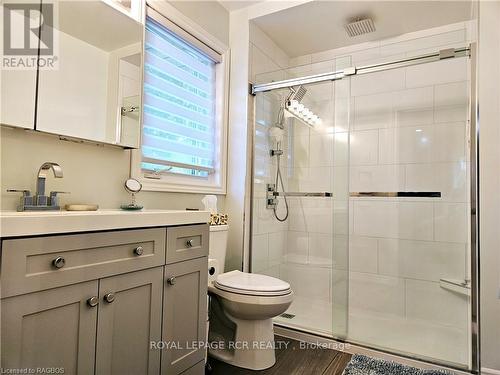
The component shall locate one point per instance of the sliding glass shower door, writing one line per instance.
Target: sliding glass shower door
(384, 259)
(300, 234)
(409, 280)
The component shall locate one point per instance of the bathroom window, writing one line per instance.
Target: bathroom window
(184, 120)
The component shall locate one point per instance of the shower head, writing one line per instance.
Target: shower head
(297, 93)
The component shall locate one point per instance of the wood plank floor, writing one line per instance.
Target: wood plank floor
(293, 360)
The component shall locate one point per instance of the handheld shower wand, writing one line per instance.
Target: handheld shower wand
(276, 133)
(295, 94)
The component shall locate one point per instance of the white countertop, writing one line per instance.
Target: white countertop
(32, 223)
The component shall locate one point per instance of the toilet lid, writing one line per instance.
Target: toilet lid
(251, 283)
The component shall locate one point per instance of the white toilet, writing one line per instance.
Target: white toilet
(242, 306)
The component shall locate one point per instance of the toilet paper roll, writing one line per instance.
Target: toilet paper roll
(213, 270)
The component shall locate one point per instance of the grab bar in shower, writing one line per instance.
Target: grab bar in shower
(407, 194)
(272, 195)
(457, 286)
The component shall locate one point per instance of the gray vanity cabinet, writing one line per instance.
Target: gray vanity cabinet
(93, 303)
(184, 314)
(51, 328)
(129, 319)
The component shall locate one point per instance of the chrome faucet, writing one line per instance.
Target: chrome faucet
(41, 202)
(41, 199)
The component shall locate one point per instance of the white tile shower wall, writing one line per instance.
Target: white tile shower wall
(269, 236)
(416, 142)
(299, 250)
(408, 133)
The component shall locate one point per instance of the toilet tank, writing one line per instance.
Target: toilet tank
(218, 244)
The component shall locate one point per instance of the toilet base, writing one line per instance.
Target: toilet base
(253, 345)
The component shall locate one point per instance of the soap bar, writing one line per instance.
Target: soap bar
(81, 207)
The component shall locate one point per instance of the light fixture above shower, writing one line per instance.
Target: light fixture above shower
(302, 113)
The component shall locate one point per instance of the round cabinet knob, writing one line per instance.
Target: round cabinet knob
(139, 250)
(171, 280)
(189, 243)
(59, 262)
(93, 301)
(110, 297)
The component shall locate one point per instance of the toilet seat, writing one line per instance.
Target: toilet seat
(251, 284)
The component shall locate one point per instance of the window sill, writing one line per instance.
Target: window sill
(149, 185)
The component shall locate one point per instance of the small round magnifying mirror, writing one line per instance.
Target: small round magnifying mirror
(133, 187)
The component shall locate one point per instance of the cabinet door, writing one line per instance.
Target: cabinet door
(184, 314)
(129, 319)
(18, 78)
(54, 328)
(79, 99)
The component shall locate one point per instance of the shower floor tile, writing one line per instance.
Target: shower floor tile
(382, 331)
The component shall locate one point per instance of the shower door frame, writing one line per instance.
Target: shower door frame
(470, 52)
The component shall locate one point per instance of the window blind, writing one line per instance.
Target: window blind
(178, 133)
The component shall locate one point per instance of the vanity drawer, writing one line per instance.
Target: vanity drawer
(187, 242)
(38, 263)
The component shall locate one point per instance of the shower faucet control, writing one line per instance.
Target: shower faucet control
(271, 199)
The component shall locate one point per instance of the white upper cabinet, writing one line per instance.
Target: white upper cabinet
(18, 68)
(94, 92)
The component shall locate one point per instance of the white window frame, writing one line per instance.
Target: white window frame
(216, 181)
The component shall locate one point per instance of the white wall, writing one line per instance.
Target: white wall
(238, 189)
(210, 15)
(489, 123)
(94, 174)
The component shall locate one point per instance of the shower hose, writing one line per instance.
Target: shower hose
(279, 179)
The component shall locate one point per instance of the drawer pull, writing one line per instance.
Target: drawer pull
(189, 243)
(171, 280)
(59, 262)
(93, 301)
(139, 250)
(109, 298)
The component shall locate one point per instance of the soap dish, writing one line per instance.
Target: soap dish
(81, 207)
(131, 207)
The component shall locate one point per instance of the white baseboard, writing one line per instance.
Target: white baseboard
(489, 371)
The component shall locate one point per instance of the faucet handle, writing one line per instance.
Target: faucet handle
(54, 193)
(54, 201)
(26, 193)
(26, 199)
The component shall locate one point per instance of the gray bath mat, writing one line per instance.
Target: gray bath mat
(363, 365)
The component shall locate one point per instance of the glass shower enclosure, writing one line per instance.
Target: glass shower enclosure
(361, 200)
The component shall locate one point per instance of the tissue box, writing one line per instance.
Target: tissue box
(218, 219)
